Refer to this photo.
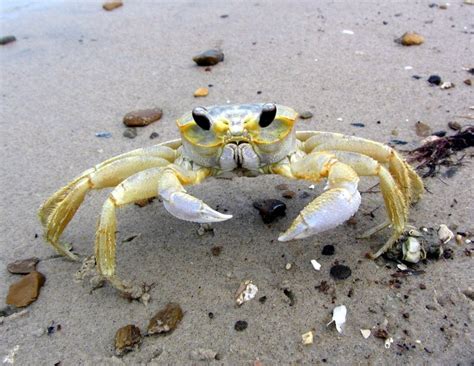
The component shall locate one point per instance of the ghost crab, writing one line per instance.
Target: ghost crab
(257, 137)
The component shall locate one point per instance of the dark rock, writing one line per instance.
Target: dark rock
(468, 82)
(398, 142)
(434, 79)
(240, 325)
(456, 126)
(262, 300)
(209, 57)
(340, 272)
(166, 320)
(142, 117)
(23, 266)
(357, 124)
(216, 251)
(471, 71)
(130, 133)
(328, 250)
(306, 115)
(26, 290)
(439, 133)
(127, 339)
(270, 209)
(290, 295)
(154, 135)
(416, 77)
(7, 39)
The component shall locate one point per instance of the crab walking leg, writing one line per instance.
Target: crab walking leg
(58, 211)
(408, 181)
(333, 207)
(143, 185)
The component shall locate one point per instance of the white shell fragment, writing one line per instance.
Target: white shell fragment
(402, 267)
(388, 342)
(316, 265)
(447, 85)
(246, 291)
(307, 338)
(365, 333)
(288, 266)
(411, 249)
(444, 234)
(339, 317)
(348, 31)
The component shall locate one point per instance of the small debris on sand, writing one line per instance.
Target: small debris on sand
(365, 333)
(246, 292)
(434, 79)
(130, 133)
(201, 92)
(142, 117)
(316, 265)
(282, 187)
(7, 39)
(209, 57)
(240, 325)
(411, 39)
(202, 354)
(306, 115)
(468, 82)
(328, 250)
(216, 250)
(456, 126)
(112, 5)
(127, 339)
(307, 338)
(339, 317)
(270, 209)
(154, 135)
(444, 234)
(447, 85)
(340, 272)
(103, 134)
(23, 266)
(422, 129)
(26, 290)
(166, 320)
(288, 194)
(144, 202)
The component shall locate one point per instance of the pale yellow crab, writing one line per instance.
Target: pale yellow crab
(257, 137)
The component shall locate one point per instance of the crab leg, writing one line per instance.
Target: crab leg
(407, 180)
(60, 208)
(333, 207)
(143, 185)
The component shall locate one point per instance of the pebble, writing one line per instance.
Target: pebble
(304, 195)
(240, 325)
(23, 266)
(357, 124)
(7, 39)
(111, 5)
(166, 320)
(447, 85)
(127, 339)
(142, 117)
(307, 338)
(209, 57)
(154, 135)
(202, 354)
(306, 115)
(282, 187)
(201, 92)
(422, 129)
(434, 79)
(411, 39)
(216, 251)
(288, 194)
(328, 250)
(270, 209)
(26, 290)
(456, 126)
(130, 133)
(340, 272)
(103, 134)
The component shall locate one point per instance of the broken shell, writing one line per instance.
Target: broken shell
(307, 338)
(444, 234)
(316, 264)
(166, 320)
(339, 317)
(127, 339)
(412, 251)
(447, 85)
(365, 333)
(246, 291)
(388, 342)
(288, 266)
(459, 239)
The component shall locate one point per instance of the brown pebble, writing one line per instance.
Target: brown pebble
(127, 338)
(411, 39)
(381, 333)
(144, 202)
(282, 187)
(209, 58)
(111, 5)
(306, 115)
(23, 266)
(422, 129)
(201, 92)
(288, 194)
(26, 290)
(352, 221)
(216, 251)
(142, 117)
(468, 82)
(166, 320)
(422, 286)
(456, 126)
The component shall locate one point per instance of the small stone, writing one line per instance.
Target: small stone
(23, 266)
(307, 338)
(411, 39)
(306, 115)
(130, 133)
(262, 300)
(202, 354)
(142, 117)
(127, 339)
(26, 290)
(365, 333)
(443, 6)
(246, 292)
(201, 92)
(288, 266)
(358, 124)
(456, 126)
(240, 325)
(447, 85)
(216, 251)
(7, 39)
(144, 202)
(468, 82)
(422, 286)
(270, 209)
(209, 58)
(111, 5)
(282, 187)
(328, 250)
(340, 272)
(103, 134)
(154, 135)
(288, 194)
(422, 129)
(166, 320)
(434, 79)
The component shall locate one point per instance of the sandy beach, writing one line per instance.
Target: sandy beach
(75, 70)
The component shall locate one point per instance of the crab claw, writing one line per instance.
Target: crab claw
(189, 208)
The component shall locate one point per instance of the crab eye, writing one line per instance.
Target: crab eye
(201, 118)
(267, 115)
